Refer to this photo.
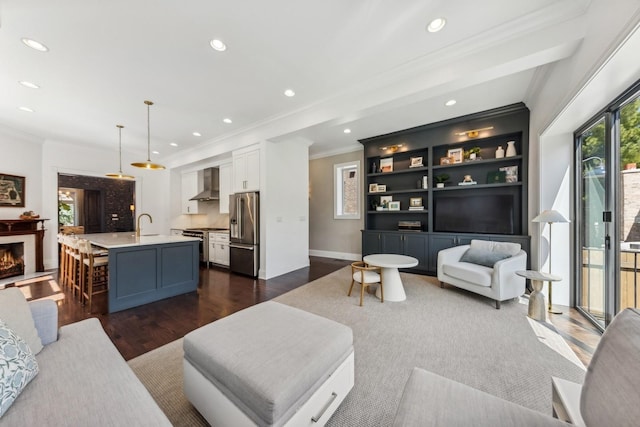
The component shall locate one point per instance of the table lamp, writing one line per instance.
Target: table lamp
(550, 216)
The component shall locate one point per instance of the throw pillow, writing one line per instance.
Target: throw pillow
(483, 257)
(508, 248)
(15, 312)
(18, 366)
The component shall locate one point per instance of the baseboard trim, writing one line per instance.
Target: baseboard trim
(336, 255)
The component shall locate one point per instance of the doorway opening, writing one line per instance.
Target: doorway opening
(88, 204)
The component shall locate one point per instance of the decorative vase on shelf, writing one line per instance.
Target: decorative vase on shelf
(511, 149)
(499, 152)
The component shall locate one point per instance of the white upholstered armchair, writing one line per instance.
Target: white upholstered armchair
(484, 267)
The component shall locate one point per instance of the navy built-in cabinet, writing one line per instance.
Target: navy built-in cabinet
(482, 198)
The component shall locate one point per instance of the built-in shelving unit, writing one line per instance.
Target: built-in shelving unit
(494, 207)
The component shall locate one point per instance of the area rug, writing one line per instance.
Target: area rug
(451, 332)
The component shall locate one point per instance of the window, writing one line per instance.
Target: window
(346, 199)
(66, 207)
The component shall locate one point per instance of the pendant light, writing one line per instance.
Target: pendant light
(120, 175)
(148, 164)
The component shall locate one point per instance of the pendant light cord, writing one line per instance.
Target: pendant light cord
(149, 104)
(120, 146)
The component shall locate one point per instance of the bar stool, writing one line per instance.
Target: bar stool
(94, 272)
(62, 260)
(73, 266)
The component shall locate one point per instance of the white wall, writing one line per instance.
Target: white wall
(564, 100)
(284, 208)
(23, 157)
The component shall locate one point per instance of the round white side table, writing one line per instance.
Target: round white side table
(537, 308)
(393, 289)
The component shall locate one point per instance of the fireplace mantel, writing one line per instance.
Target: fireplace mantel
(16, 227)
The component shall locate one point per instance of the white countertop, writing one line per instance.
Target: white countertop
(128, 238)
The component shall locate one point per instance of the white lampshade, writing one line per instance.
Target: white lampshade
(550, 216)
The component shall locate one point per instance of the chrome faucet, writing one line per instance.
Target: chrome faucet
(138, 222)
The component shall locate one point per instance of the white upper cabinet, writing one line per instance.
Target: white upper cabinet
(189, 189)
(246, 170)
(225, 187)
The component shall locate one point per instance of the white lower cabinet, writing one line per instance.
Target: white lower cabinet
(219, 248)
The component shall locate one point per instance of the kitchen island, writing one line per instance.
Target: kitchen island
(143, 269)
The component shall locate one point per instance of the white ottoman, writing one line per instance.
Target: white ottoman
(268, 365)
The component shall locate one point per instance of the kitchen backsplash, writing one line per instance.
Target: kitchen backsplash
(210, 217)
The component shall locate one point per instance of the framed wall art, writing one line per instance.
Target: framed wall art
(11, 190)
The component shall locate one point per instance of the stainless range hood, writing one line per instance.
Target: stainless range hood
(211, 185)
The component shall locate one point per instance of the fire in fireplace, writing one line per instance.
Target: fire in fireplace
(11, 259)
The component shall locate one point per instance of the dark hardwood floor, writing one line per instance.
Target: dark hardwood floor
(141, 329)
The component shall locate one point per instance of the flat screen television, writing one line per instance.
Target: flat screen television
(487, 213)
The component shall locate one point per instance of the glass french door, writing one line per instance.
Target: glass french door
(593, 233)
(628, 131)
(608, 211)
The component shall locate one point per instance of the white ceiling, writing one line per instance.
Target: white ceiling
(368, 65)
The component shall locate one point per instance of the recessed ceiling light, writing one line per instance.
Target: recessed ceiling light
(347, 131)
(35, 45)
(173, 144)
(197, 134)
(436, 25)
(450, 102)
(227, 120)
(289, 93)
(155, 152)
(27, 109)
(218, 45)
(29, 84)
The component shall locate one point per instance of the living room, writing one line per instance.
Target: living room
(578, 58)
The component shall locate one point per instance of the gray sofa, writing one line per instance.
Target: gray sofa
(609, 395)
(83, 380)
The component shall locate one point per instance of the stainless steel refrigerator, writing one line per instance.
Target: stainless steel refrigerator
(244, 230)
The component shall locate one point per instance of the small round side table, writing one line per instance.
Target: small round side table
(537, 309)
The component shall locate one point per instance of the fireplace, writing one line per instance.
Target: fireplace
(11, 259)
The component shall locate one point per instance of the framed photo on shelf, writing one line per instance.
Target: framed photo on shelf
(12, 190)
(386, 165)
(416, 162)
(456, 153)
(446, 160)
(415, 201)
(385, 200)
(511, 173)
(382, 188)
(373, 188)
(394, 206)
